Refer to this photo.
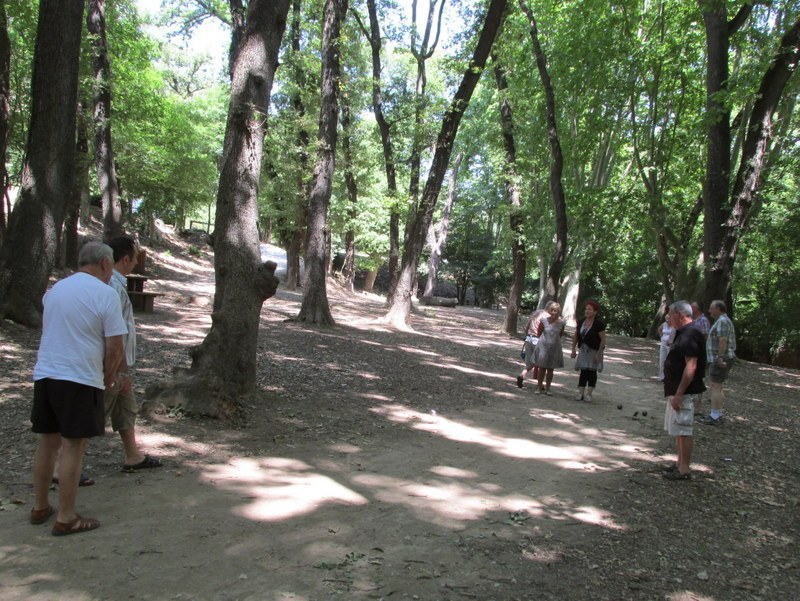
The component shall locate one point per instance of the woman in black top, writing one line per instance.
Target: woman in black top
(590, 341)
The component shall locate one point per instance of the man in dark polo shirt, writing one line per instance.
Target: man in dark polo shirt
(683, 383)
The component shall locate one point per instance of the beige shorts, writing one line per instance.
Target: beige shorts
(680, 423)
(121, 409)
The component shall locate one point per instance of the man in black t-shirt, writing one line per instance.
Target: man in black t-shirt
(683, 383)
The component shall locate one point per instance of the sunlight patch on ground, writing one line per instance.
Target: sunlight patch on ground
(180, 334)
(452, 472)
(343, 447)
(450, 504)
(166, 443)
(466, 370)
(568, 457)
(277, 488)
(687, 596)
(416, 351)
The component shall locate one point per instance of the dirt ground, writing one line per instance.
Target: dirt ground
(383, 465)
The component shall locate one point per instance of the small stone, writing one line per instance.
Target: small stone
(644, 413)
(619, 406)
(702, 575)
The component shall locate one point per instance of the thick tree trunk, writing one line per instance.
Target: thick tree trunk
(33, 236)
(718, 161)
(437, 236)
(315, 307)
(5, 104)
(224, 366)
(79, 189)
(400, 307)
(744, 197)
(513, 197)
(373, 34)
(349, 266)
(553, 286)
(103, 147)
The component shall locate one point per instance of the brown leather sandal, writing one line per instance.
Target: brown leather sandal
(75, 526)
(40, 516)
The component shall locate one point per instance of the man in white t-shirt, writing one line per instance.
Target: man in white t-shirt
(79, 356)
(120, 402)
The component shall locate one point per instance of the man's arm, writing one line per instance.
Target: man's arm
(721, 348)
(686, 378)
(114, 356)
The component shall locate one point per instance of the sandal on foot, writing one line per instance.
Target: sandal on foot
(676, 475)
(146, 463)
(75, 526)
(40, 516)
(83, 481)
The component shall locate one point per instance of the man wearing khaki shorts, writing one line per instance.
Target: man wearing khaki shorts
(120, 403)
(683, 383)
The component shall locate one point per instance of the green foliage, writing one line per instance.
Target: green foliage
(168, 144)
(22, 18)
(767, 279)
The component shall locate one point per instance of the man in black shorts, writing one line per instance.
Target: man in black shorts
(79, 355)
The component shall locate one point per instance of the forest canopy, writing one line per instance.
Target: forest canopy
(628, 97)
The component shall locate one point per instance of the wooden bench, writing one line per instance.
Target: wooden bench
(143, 301)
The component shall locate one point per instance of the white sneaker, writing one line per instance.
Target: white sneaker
(588, 398)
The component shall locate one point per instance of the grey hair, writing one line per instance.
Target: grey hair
(720, 305)
(681, 307)
(93, 253)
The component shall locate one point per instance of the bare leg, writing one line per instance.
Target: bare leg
(684, 445)
(44, 458)
(549, 378)
(132, 453)
(717, 396)
(540, 377)
(589, 390)
(69, 472)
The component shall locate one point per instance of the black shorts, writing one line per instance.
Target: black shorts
(67, 408)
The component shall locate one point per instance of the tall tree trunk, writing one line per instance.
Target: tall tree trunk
(373, 34)
(400, 306)
(224, 366)
(349, 266)
(79, 188)
(297, 239)
(103, 147)
(421, 54)
(5, 107)
(744, 196)
(33, 236)
(315, 307)
(437, 236)
(553, 286)
(513, 197)
(238, 28)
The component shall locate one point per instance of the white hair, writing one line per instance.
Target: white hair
(681, 307)
(93, 253)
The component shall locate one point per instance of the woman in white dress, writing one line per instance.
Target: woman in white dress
(665, 333)
(548, 354)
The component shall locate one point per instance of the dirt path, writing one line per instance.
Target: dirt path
(385, 465)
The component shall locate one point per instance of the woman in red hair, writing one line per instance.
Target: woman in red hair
(590, 342)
